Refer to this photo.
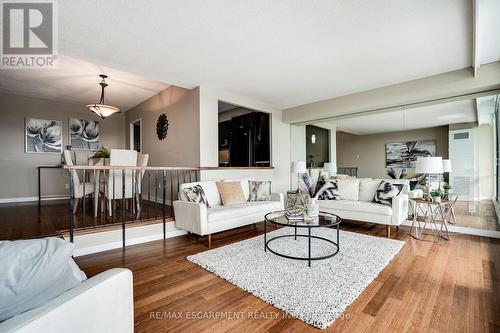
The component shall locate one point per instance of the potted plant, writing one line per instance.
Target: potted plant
(437, 195)
(446, 187)
(100, 153)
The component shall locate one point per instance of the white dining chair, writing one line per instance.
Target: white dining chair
(142, 161)
(78, 187)
(114, 189)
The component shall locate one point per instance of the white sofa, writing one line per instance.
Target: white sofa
(103, 303)
(200, 220)
(357, 202)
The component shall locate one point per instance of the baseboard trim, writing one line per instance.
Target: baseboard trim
(464, 230)
(31, 199)
(133, 241)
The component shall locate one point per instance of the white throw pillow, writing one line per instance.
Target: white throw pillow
(349, 188)
(32, 272)
(211, 192)
(368, 188)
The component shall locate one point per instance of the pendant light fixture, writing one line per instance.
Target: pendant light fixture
(102, 109)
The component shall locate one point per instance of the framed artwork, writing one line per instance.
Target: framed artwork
(404, 154)
(84, 134)
(43, 136)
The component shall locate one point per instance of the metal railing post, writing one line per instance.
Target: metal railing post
(95, 206)
(172, 191)
(71, 204)
(172, 177)
(83, 198)
(156, 192)
(123, 207)
(164, 217)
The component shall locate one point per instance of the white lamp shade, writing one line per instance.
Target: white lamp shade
(447, 166)
(330, 167)
(429, 165)
(299, 167)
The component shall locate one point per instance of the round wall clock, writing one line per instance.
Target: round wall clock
(162, 126)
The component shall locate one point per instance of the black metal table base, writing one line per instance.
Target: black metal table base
(309, 237)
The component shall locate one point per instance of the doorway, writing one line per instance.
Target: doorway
(136, 135)
(317, 146)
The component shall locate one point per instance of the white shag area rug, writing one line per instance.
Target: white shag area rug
(317, 295)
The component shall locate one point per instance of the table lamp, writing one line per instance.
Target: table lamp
(298, 167)
(429, 166)
(330, 167)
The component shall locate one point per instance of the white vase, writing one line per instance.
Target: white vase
(312, 208)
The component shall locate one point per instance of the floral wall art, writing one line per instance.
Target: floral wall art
(84, 134)
(43, 136)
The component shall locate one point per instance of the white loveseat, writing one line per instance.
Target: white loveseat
(200, 220)
(103, 303)
(357, 202)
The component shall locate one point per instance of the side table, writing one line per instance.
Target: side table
(426, 212)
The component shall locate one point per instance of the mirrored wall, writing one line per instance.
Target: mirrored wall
(386, 143)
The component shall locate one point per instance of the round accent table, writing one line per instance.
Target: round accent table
(323, 220)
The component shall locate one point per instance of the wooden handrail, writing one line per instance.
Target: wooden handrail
(116, 167)
(153, 168)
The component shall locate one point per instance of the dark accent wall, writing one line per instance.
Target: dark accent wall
(317, 153)
(247, 137)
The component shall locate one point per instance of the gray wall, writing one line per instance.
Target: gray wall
(367, 152)
(181, 147)
(18, 176)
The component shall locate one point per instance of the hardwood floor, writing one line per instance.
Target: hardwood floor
(26, 220)
(453, 286)
(477, 214)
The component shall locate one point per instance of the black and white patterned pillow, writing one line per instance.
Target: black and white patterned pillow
(306, 183)
(386, 192)
(196, 194)
(329, 191)
(259, 191)
(321, 182)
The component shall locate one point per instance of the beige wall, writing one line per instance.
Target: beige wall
(367, 152)
(19, 177)
(181, 147)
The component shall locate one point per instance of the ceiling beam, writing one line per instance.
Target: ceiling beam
(476, 56)
(456, 84)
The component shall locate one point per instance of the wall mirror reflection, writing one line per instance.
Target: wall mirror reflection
(386, 144)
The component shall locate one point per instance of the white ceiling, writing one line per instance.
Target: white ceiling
(77, 81)
(410, 119)
(489, 30)
(284, 53)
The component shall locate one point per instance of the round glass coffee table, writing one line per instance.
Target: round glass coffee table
(323, 220)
